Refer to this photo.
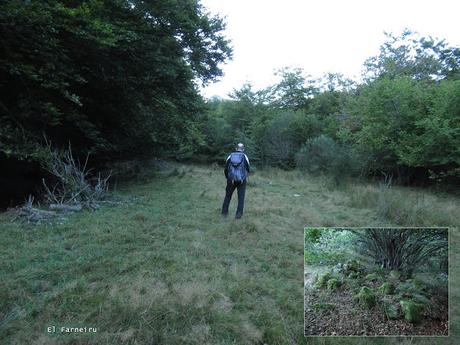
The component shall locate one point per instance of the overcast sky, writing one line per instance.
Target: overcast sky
(319, 36)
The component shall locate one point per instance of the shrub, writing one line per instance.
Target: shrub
(417, 283)
(412, 310)
(352, 269)
(323, 155)
(322, 280)
(387, 288)
(332, 284)
(312, 235)
(353, 275)
(366, 297)
(317, 154)
(352, 265)
(371, 277)
(402, 249)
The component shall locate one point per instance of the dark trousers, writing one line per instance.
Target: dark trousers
(241, 188)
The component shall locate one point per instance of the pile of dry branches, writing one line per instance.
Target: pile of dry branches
(74, 189)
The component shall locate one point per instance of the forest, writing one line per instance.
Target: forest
(119, 81)
(376, 281)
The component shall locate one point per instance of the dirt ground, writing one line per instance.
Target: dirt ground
(335, 313)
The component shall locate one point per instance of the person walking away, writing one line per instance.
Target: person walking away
(236, 172)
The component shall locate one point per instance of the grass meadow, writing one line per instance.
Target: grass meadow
(162, 266)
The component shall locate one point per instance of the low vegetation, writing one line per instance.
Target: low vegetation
(375, 298)
(162, 266)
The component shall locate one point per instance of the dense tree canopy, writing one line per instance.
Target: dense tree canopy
(114, 77)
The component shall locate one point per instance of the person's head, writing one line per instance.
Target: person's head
(240, 147)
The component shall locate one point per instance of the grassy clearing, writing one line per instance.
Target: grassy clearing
(165, 268)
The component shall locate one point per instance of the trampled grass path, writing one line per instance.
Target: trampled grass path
(164, 268)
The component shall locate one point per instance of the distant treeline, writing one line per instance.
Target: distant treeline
(401, 121)
(119, 80)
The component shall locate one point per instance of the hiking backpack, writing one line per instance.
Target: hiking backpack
(237, 169)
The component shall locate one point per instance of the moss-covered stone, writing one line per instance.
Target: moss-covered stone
(395, 274)
(412, 310)
(366, 297)
(371, 277)
(352, 284)
(387, 288)
(352, 266)
(417, 283)
(391, 310)
(332, 284)
(322, 280)
(421, 299)
(339, 267)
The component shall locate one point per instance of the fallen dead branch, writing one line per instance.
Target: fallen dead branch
(33, 214)
(66, 208)
(75, 188)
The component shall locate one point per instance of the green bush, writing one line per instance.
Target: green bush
(353, 266)
(322, 280)
(366, 297)
(332, 284)
(323, 155)
(312, 235)
(317, 154)
(412, 310)
(417, 283)
(353, 275)
(352, 269)
(371, 277)
(387, 288)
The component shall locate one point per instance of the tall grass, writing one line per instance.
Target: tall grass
(405, 206)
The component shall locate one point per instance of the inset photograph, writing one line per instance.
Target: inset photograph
(376, 282)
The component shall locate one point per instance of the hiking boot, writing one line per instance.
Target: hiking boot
(238, 216)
